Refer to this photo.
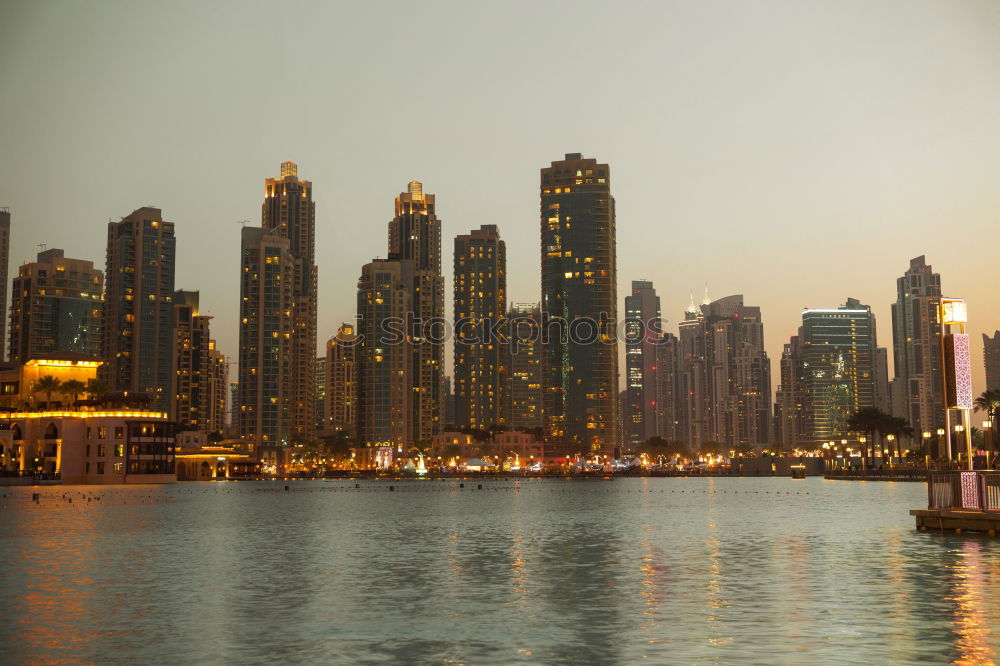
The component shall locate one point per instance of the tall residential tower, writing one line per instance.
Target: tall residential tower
(138, 331)
(288, 209)
(916, 388)
(642, 334)
(57, 305)
(579, 283)
(480, 303)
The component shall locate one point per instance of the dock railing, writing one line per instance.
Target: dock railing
(964, 490)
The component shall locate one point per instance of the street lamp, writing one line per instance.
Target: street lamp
(959, 429)
(988, 438)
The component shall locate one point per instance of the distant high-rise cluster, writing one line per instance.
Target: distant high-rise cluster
(829, 371)
(202, 378)
(547, 367)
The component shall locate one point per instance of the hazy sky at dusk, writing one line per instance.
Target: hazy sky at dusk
(796, 152)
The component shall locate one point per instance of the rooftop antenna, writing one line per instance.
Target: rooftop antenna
(41, 247)
(243, 222)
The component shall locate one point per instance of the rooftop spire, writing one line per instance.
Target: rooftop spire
(707, 299)
(416, 189)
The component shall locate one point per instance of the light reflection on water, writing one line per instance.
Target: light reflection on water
(667, 570)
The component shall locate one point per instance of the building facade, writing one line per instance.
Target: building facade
(137, 328)
(524, 369)
(667, 412)
(642, 334)
(340, 406)
(415, 239)
(4, 267)
(725, 375)
(991, 359)
(829, 371)
(265, 339)
(57, 305)
(383, 357)
(579, 305)
(480, 306)
(916, 388)
(197, 388)
(289, 211)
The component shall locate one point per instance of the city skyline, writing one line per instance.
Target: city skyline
(798, 174)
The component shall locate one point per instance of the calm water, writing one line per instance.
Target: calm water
(662, 570)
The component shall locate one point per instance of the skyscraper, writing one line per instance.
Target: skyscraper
(319, 367)
(524, 384)
(57, 305)
(642, 334)
(579, 283)
(384, 385)
(415, 237)
(218, 389)
(916, 388)
(726, 375)
(667, 391)
(4, 266)
(828, 372)
(137, 331)
(480, 303)
(790, 398)
(991, 359)
(196, 399)
(342, 381)
(288, 210)
(265, 340)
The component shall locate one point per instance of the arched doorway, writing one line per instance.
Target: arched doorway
(206, 470)
(51, 431)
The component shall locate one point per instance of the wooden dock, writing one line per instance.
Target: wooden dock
(961, 501)
(950, 520)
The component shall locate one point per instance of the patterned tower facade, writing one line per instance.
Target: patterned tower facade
(480, 304)
(579, 284)
(137, 331)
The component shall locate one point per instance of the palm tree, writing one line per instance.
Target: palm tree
(96, 389)
(873, 422)
(73, 388)
(898, 428)
(47, 385)
(989, 402)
